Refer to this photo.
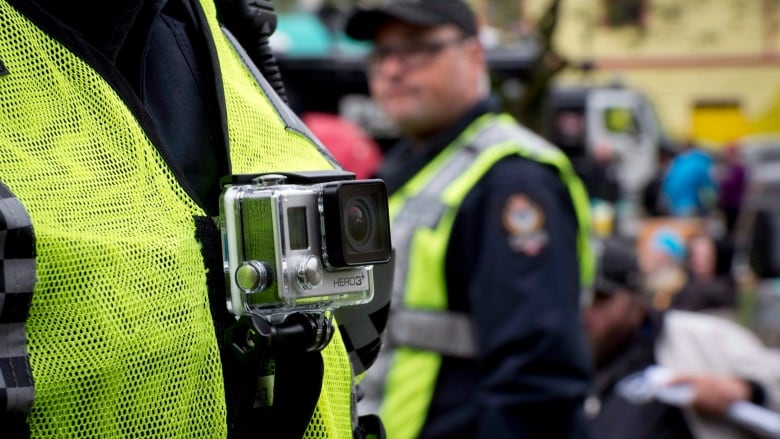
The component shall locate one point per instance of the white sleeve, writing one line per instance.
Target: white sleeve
(700, 342)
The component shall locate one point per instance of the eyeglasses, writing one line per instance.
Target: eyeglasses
(412, 54)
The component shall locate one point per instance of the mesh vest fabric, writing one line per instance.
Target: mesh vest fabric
(411, 379)
(120, 337)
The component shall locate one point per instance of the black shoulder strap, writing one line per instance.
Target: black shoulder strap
(297, 377)
(297, 386)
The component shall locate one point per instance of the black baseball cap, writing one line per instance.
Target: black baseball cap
(617, 267)
(363, 23)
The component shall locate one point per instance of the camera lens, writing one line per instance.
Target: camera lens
(356, 226)
(358, 222)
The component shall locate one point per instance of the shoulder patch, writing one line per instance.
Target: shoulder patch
(523, 221)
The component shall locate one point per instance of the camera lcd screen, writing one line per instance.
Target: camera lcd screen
(296, 223)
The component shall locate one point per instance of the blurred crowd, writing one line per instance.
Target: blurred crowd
(668, 308)
(694, 246)
(675, 307)
(687, 240)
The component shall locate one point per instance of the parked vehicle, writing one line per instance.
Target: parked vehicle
(583, 120)
(580, 119)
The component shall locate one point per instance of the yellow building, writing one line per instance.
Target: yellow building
(712, 68)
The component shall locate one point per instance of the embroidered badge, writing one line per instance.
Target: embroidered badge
(3, 70)
(524, 221)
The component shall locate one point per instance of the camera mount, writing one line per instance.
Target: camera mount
(297, 333)
(285, 367)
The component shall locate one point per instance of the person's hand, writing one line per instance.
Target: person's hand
(713, 393)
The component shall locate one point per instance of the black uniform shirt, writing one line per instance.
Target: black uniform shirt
(512, 263)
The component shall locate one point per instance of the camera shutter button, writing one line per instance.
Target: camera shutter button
(309, 272)
(252, 276)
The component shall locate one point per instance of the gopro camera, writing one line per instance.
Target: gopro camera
(301, 242)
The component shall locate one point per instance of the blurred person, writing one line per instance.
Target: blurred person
(722, 361)
(705, 289)
(491, 231)
(689, 187)
(652, 197)
(599, 173)
(119, 119)
(352, 147)
(732, 184)
(663, 266)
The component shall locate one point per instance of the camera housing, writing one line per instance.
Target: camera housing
(301, 242)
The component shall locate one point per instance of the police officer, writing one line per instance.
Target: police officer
(491, 232)
(117, 121)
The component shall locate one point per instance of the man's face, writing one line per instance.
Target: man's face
(424, 78)
(702, 256)
(610, 321)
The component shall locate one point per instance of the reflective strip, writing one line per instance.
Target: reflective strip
(424, 210)
(18, 268)
(421, 211)
(447, 333)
